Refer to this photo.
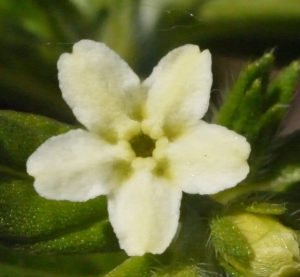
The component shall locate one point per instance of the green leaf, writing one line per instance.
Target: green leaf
(88, 238)
(251, 106)
(13, 263)
(25, 215)
(268, 148)
(20, 135)
(256, 110)
(251, 81)
(282, 88)
(32, 223)
(136, 267)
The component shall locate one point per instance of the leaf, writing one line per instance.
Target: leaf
(251, 107)
(32, 223)
(249, 86)
(256, 110)
(14, 264)
(25, 215)
(269, 147)
(282, 88)
(90, 238)
(20, 135)
(135, 267)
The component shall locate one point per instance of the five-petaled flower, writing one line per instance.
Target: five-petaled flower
(144, 145)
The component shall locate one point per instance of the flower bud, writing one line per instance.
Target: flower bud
(250, 244)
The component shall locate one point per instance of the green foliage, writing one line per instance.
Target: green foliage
(31, 223)
(20, 135)
(32, 36)
(245, 93)
(135, 267)
(14, 264)
(256, 109)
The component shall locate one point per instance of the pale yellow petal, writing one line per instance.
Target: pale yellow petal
(207, 159)
(102, 90)
(144, 212)
(75, 166)
(178, 91)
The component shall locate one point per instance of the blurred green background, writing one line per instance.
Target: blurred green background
(34, 33)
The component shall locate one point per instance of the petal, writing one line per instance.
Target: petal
(178, 91)
(144, 213)
(102, 90)
(75, 166)
(207, 159)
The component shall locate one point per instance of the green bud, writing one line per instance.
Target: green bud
(250, 244)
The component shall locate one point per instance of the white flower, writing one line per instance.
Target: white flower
(144, 143)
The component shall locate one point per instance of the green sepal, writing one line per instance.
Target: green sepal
(283, 205)
(259, 203)
(229, 268)
(228, 240)
(266, 208)
(290, 199)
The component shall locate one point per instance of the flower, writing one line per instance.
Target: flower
(256, 245)
(144, 143)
